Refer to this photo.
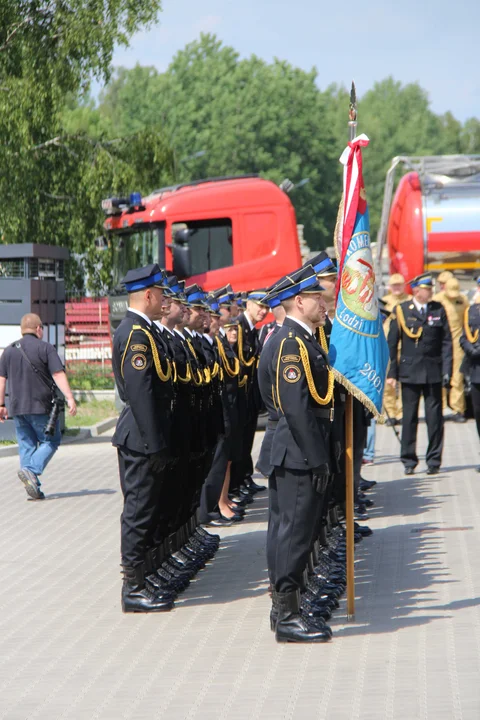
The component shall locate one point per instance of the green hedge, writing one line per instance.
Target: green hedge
(89, 376)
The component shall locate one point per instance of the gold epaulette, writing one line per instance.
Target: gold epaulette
(413, 335)
(310, 381)
(231, 372)
(471, 337)
(247, 363)
(308, 374)
(164, 376)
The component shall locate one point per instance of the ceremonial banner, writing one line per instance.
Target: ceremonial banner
(358, 348)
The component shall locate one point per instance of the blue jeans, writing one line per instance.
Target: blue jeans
(36, 449)
(369, 452)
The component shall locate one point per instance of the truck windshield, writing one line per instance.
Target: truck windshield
(140, 247)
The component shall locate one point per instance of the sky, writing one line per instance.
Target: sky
(432, 43)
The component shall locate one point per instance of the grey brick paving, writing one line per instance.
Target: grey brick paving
(66, 650)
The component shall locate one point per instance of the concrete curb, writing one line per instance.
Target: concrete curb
(85, 433)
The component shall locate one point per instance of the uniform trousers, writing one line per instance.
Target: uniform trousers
(293, 509)
(213, 484)
(141, 488)
(392, 402)
(455, 397)
(432, 394)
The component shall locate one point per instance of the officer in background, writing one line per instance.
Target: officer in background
(392, 398)
(142, 436)
(470, 343)
(455, 305)
(420, 327)
(442, 279)
(303, 391)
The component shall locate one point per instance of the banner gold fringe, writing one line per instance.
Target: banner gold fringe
(353, 390)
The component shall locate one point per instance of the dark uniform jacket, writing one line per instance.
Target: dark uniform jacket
(428, 358)
(302, 436)
(266, 378)
(471, 363)
(144, 424)
(266, 382)
(248, 348)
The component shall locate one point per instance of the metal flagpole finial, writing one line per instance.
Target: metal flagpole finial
(352, 112)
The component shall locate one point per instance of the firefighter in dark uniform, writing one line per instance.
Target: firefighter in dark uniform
(210, 512)
(248, 351)
(303, 392)
(145, 383)
(470, 344)
(265, 383)
(421, 327)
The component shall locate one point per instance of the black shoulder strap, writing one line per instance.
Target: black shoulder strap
(37, 372)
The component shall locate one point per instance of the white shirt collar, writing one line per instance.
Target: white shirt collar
(303, 325)
(159, 325)
(222, 332)
(167, 329)
(142, 315)
(180, 333)
(418, 306)
(189, 332)
(207, 336)
(247, 318)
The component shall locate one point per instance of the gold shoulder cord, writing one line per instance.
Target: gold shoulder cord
(471, 337)
(164, 377)
(243, 381)
(191, 348)
(247, 363)
(310, 381)
(207, 374)
(322, 339)
(279, 403)
(413, 335)
(125, 351)
(188, 375)
(199, 379)
(231, 372)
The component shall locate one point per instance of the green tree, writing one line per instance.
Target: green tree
(49, 50)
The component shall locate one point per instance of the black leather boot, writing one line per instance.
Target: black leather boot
(292, 626)
(137, 596)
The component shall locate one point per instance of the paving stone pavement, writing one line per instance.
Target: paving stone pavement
(67, 651)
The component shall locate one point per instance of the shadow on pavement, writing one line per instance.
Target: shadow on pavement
(79, 493)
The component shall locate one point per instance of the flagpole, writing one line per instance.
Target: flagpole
(352, 129)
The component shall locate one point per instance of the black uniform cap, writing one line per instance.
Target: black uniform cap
(144, 277)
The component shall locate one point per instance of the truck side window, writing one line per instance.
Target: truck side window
(210, 244)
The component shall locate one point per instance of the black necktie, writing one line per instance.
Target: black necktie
(422, 310)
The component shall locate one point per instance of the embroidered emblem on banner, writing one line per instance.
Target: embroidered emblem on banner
(291, 373)
(139, 361)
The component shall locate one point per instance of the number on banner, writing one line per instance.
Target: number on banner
(371, 374)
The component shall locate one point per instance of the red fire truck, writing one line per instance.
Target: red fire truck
(239, 230)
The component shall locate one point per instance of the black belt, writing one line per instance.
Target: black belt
(326, 413)
(323, 413)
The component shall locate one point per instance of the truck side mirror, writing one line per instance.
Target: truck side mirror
(182, 261)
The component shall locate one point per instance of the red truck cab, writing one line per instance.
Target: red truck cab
(237, 230)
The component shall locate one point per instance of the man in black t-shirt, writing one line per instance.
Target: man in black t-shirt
(33, 368)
